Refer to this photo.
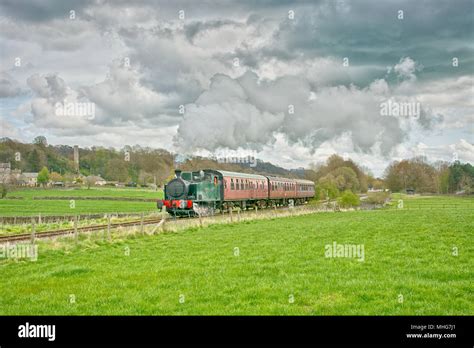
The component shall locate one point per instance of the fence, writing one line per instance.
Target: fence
(40, 218)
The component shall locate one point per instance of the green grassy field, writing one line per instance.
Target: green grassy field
(61, 207)
(29, 206)
(416, 262)
(84, 192)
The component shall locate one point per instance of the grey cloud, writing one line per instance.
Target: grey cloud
(331, 113)
(49, 86)
(41, 10)
(9, 87)
(194, 28)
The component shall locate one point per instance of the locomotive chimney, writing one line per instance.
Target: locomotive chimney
(177, 172)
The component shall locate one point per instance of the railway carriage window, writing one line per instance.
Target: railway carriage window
(232, 187)
(237, 185)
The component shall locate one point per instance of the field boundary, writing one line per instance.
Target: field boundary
(39, 218)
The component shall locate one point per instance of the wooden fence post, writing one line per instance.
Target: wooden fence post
(238, 214)
(33, 230)
(200, 220)
(230, 213)
(75, 227)
(108, 226)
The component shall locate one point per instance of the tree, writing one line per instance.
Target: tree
(55, 177)
(34, 161)
(347, 174)
(41, 141)
(43, 176)
(346, 179)
(327, 187)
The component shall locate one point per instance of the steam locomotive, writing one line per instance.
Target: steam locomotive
(206, 191)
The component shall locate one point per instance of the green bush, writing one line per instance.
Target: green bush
(349, 199)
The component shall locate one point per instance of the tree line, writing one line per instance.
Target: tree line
(144, 165)
(421, 176)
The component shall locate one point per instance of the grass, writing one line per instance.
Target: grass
(407, 252)
(29, 206)
(84, 192)
(62, 207)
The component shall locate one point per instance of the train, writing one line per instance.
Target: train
(208, 191)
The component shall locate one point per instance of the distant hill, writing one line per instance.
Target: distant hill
(131, 163)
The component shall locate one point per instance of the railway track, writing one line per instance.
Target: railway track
(92, 228)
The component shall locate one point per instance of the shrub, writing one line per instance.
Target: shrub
(349, 199)
(377, 197)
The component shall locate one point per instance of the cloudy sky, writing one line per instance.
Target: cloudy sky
(290, 82)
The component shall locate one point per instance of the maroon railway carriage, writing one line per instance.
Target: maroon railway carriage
(244, 189)
(304, 189)
(282, 188)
